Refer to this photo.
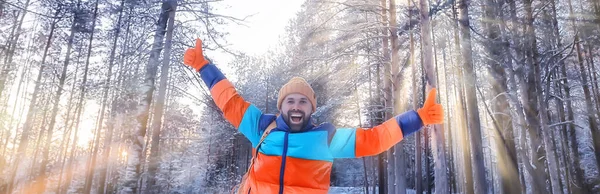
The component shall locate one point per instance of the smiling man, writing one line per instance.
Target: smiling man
(292, 154)
(297, 101)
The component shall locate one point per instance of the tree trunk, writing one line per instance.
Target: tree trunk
(64, 153)
(531, 103)
(61, 82)
(462, 123)
(594, 78)
(516, 104)
(568, 175)
(441, 180)
(2, 8)
(426, 141)
(366, 175)
(24, 140)
(93, 148)
(506, 153)
(399, 164)
(143, 166)
(391, 161)
(556, 44)
(22, 92)
(136, 157)
(597, 12)
(563, 174)
(519, 125)
(80, 105)
(579, 181)
(360, 124)
(13, 29)
(588, 47)
(541, 100)
(415, 98)
(387, 96)
(418, 163)
(19, 99)
(586, 91)
(108, 162)
(14, 39)
(38, 142)
(480, 183)
(527, 118)
(66, 138)
(449, 125)
(108, 138)
(547, 136)
(577, 185)
(159, 104)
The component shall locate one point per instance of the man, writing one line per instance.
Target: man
(295, 155)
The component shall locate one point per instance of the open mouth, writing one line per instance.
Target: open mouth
(296, 118)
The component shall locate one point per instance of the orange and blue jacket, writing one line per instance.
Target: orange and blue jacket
(299, 162)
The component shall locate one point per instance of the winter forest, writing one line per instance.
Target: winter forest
(95, 98)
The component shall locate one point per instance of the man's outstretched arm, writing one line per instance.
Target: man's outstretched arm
(241, 114)
(353, 143)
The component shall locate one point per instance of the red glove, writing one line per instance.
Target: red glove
(431, 112)
(194, 57)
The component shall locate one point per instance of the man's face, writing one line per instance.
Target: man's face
(296, 110)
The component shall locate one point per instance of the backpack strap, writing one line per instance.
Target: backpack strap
(271, 126)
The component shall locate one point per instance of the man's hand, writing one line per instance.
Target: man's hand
(431, 113)
(194, 57)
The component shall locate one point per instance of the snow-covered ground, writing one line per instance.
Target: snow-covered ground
(357, 190)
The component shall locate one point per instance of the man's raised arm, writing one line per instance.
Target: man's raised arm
(359, 142)
(241, 114)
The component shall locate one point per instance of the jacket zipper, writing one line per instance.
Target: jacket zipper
(283, 156)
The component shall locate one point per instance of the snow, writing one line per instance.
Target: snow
(356, 190)
(343, 190)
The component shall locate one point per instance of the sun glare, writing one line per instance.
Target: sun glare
(85, 136)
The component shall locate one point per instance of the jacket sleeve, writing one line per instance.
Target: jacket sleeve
(360, 142)
(243, 115)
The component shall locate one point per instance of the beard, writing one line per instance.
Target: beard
(296, 124)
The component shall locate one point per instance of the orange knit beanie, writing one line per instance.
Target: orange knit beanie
(300, 86)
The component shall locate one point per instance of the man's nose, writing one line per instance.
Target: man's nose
(295, 106)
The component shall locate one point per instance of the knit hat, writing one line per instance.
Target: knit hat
(300, 86)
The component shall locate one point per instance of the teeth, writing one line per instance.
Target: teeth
(296, 115)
